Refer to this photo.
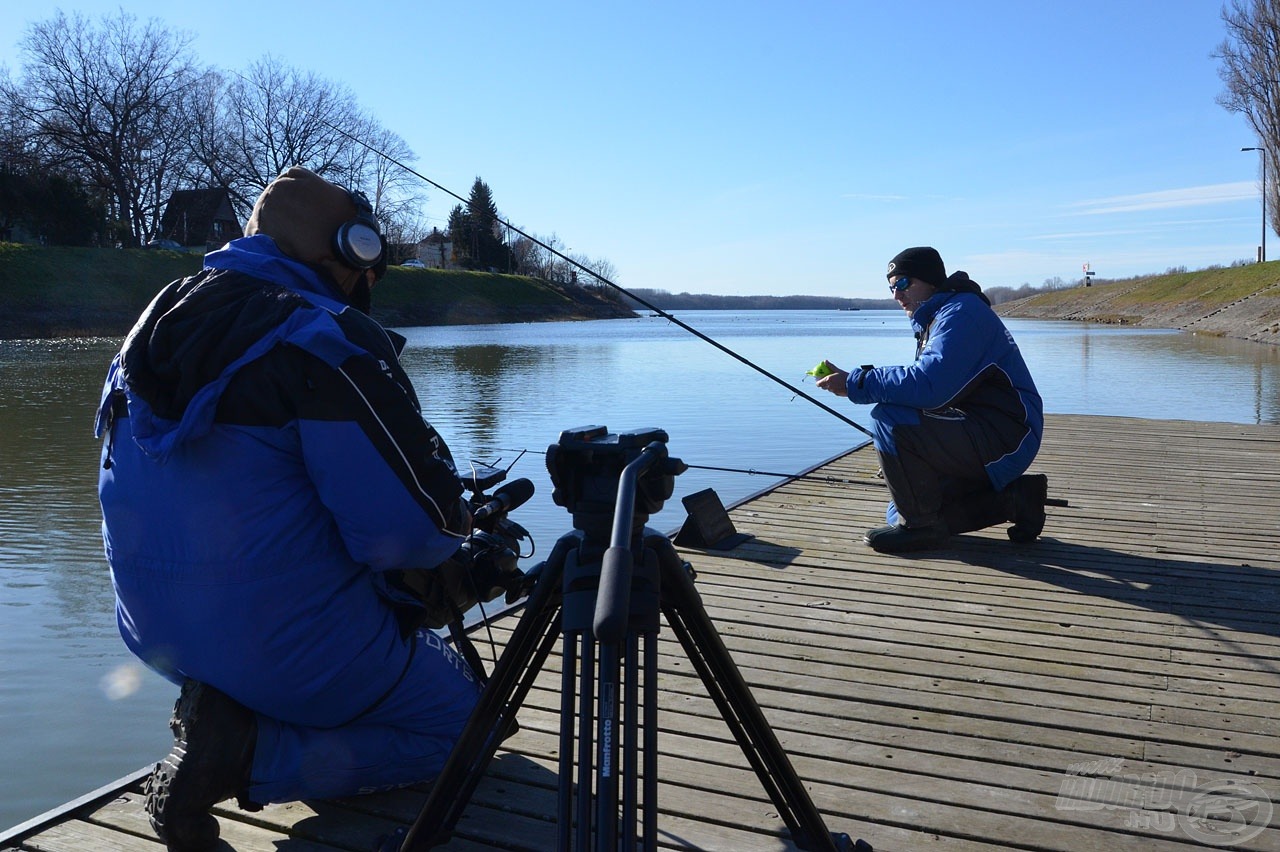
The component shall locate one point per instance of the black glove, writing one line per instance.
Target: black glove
(481, 570)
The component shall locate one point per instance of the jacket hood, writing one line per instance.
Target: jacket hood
(960, 282)
(200, 331)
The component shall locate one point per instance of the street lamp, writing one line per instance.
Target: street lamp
(1263, 252)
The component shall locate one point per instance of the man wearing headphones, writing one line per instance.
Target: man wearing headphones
(265, 470)
(955, 431)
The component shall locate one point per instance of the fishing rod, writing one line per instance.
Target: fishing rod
(669, 317)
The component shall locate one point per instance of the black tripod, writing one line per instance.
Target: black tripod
(605, 603)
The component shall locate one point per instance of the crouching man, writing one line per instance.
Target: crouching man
(265, 469)
(956, 430)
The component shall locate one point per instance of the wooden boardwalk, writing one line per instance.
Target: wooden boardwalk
(1114, 686)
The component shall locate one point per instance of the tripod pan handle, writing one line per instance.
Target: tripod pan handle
(613, 600)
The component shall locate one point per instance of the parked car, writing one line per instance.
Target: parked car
(414, 263)
(169, 245)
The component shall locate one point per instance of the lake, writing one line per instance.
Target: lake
(77, 712)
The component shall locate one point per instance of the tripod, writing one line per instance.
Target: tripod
(604, 603)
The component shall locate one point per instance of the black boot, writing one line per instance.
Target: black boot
(1029, 493)
(210, 761)
(901, 539)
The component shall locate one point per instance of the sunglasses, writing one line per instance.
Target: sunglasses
(900, 285)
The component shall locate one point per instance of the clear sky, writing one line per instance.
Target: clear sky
(791, 147)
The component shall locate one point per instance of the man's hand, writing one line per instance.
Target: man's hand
(835, 381)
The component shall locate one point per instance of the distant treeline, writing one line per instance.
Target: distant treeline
(665, 300)
(701, 301)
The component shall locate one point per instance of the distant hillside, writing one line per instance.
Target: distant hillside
(666, 301)
(73, 292)
(1241, 302)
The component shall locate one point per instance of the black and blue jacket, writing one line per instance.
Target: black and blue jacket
(265, 463)
(967, 364)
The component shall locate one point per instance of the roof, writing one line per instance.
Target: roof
(200, 216)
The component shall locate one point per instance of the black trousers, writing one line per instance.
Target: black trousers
(935, 466)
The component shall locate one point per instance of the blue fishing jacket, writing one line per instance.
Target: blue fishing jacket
(967, 364)
(265, 463)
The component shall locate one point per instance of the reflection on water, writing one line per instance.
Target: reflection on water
(495, 392)
(1152, 373)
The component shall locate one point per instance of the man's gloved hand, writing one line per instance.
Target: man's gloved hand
(481, 570)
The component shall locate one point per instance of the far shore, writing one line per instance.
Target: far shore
(84, 292)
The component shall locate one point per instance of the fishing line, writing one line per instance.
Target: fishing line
(832, 480)
(669, 317)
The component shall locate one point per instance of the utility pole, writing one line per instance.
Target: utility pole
(1262, 251)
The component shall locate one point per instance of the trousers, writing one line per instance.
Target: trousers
(935, 465)
(403, 739)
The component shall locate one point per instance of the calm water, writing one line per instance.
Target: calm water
(76, 712)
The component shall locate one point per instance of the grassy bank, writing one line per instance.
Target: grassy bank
(68, 292)
(1241, 302)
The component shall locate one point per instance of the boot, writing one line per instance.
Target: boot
(210, 761)
(1029, 493)
(901, 539)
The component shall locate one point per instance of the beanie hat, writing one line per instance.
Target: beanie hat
(302, 211)
(922, 262)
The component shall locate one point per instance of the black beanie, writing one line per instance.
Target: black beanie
(922, 262)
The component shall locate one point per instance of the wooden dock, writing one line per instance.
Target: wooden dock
(1114, 686)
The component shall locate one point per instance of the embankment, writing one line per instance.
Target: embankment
(1240, 302)
(83, 292)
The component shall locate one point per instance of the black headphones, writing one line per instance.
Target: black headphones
(359, 243)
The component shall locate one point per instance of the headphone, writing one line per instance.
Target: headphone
(358, 243)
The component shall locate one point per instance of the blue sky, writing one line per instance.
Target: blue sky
(778, 148)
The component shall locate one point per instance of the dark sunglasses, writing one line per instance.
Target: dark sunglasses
(900, 285)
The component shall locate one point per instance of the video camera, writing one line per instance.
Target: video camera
(494, 546)
(483, 568)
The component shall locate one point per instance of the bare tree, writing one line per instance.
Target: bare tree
(208, 138)
(273, 117)
(19, 150)
(1250, 68)
(537, 258)
(108, 101)
(604, 271)
(526, 255)
(398, 196)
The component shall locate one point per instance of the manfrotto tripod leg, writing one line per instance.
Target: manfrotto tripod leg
(575, 799)
(682, 606)
(494, 716)
(623, 716)
(635, 825)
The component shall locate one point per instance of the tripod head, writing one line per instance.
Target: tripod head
(585, 466)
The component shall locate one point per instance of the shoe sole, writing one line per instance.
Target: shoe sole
(1028, 527)
(203, 827)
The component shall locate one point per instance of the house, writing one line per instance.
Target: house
(200, 218)
(436, 250)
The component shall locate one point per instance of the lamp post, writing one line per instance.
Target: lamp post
(1262, 256)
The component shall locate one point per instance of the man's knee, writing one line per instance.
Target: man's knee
(885, 419)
